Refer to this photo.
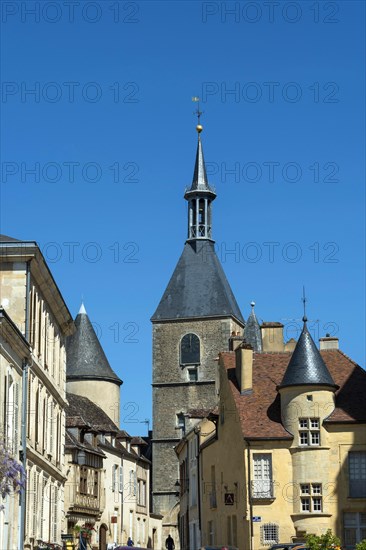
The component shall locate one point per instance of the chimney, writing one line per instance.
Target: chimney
(235, 340)
(272, 336)
(328, 342)
(290, 345)
(244, 367)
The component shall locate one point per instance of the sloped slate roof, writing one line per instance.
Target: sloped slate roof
(252, 332)
(85, 356)
(200, 181)
(259, 411)
(7, 239)
(198, 287)
(306, 365)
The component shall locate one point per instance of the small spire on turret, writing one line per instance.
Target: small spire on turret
(304, 300)
(82, 309)
(252, 331)
(200, 195)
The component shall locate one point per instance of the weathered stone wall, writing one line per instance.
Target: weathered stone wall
(174, 394)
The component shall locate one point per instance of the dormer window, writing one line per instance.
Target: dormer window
(190, 352)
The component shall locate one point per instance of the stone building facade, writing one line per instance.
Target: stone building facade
(34, 304)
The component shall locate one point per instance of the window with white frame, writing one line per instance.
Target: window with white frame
(309, 431)
(142, 492)
(114, 477)
(357, 474)
(132, 484)
(311, 500)
(262, 476)
(121, 479)
(269, 534)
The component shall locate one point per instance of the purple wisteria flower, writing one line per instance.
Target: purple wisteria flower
(12, 474)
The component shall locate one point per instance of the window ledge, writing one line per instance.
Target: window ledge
(263, 500)
(308, 448)
(356, 498)
(311, 515)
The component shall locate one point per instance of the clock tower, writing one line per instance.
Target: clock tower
(192, 323)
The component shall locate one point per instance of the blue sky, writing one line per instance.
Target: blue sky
(109, 133)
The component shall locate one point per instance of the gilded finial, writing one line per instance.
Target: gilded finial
(198, 113)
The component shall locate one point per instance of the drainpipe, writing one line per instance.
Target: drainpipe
(199, 482)
(27, 309)
(250, 495)
(23, 454)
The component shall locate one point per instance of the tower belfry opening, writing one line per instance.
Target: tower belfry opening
(200, 197)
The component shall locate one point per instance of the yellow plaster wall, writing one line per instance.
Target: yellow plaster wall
(104, 394)
(226, 454)
(13, 291)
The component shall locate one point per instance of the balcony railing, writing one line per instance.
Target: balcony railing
(262, 488)
(87, 501)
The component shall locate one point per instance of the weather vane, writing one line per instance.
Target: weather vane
(198, 113)
(304, 300)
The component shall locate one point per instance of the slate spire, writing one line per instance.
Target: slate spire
(86, 359)
(198, 287)
(252, 331)
(199, 197)
(306, 366)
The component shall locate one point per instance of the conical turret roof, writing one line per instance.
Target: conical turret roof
(86, 359)
(306, 366)
(252, 331)
(200, 180)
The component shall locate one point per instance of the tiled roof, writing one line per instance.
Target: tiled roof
(306, 366)
(85, 356)
(198, 413)
(95, 416)
(259, 411)
(7, 239)
(71, 442)
(198, 287)
(137, 440)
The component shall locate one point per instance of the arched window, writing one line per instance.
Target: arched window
(190, 353)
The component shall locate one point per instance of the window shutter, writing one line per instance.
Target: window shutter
(55, 513)
(121, 479)
(51, 427)
(45, 424)
(114, 477)
(35, 503)
(16, 419)
(41, 530)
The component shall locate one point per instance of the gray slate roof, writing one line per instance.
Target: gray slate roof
(7, 239)
(252, 331)
(86, 359)
(306, 366)
(198, 287)
(200, 181)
